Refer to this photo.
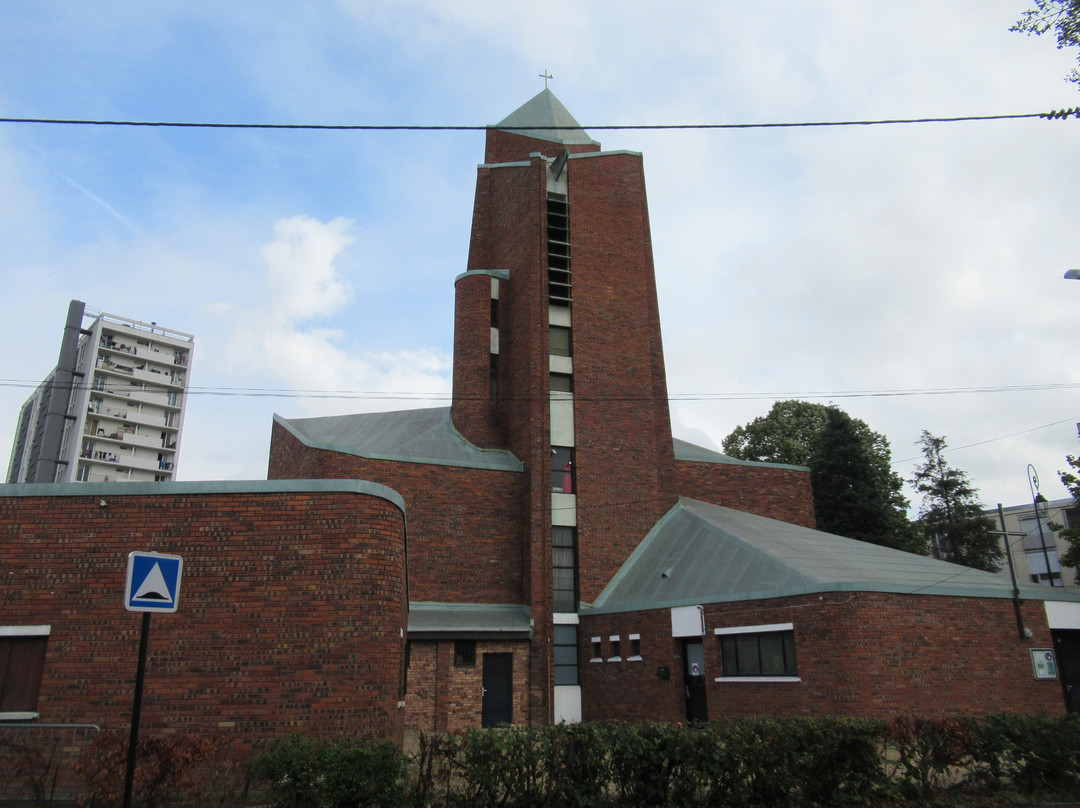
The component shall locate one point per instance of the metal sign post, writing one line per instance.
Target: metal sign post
(153, 585)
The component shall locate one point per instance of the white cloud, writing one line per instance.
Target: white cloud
(285, 343)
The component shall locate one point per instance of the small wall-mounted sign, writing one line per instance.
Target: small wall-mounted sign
(663, 672)
(1042, 662)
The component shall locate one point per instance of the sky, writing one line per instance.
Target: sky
(910, 274)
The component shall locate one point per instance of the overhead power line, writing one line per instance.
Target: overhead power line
(273, 392)
(1071, 112)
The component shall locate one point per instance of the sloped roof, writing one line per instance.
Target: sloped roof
(702, 553)
(427, 620)
(414, 436)
(547, 112)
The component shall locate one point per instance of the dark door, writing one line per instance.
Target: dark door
(1067, 653)
(497, 706)
(694, 680)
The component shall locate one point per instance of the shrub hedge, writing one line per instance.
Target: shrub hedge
(751, 763)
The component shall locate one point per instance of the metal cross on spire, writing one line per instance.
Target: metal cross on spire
(545, 76)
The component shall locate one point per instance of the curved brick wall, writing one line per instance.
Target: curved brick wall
(291, 608)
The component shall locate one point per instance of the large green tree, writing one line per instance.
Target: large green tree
(856, 492)
(1060, 16)
(951, 518)
(855, 495)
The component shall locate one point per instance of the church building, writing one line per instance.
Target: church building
(554, 518)
(541, 550)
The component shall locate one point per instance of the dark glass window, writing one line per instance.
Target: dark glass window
(562, 469)
(564, 568)
(566, 655)
(22, 662)
(561, 383)
(464, 653)
(559, 340)
(770, 653)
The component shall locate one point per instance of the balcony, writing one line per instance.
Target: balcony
(99, 408)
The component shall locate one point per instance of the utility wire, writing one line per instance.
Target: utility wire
(272, 392)
(1051, 115)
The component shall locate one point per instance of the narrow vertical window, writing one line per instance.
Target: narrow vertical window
(564, 569)
(464, 653)
(562, 469)
(558, 246)
(566, 655)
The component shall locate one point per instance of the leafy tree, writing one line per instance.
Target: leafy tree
(951, 518)
(851, 495)
(856, 492)
(785, 435)
(1063, 16)
(1071, 480)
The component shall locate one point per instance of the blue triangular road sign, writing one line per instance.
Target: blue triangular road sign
(153, 582)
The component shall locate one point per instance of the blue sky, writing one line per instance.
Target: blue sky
(790, 263)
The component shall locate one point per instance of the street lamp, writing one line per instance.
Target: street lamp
(1042, 510)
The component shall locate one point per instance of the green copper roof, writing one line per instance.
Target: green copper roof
(172, 488)
(502, 620)
(702, 553)
(413, 436)
(546, 111)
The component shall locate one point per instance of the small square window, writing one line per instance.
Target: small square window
(635, 646)
(616, 655)
(464, 653)
(562, 383)
(559, 340)
(597, 650)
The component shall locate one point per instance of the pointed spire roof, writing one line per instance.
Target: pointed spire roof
(546, 111)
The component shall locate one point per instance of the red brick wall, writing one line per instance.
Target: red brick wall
(510, 232)
(625, 460)
(446, 698)
(464, 533)
(777, 493)
(290, 611)
(868, 654)
(473, 410)
(631, 690)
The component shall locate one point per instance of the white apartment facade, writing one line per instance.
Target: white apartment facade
(1036, 554)
(113, 408)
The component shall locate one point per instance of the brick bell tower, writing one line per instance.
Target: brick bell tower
(558, 358)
